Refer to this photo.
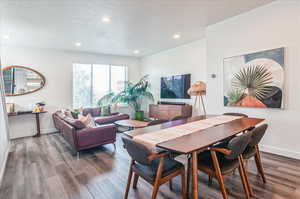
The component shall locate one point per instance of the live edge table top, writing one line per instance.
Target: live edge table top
(201, 139)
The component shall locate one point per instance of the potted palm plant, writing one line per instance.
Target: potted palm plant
(133, 95)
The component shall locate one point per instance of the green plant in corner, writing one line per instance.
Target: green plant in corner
(133, 95)
(254, 80)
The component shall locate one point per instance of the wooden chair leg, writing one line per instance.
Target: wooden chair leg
(209, 179)
(129, 180)
(243, 178)
(247, 181)
(259, 164)
(157, 178)
(183, 184)
(155, 190)
(219, 174)
(170, 185)
(135, 181)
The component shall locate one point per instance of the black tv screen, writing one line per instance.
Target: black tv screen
(175, 87)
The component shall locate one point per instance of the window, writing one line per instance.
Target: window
(93, 81)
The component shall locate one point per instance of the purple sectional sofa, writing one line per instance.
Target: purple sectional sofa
(80, 137)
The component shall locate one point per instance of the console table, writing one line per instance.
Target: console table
(169, 111)
(37, 119)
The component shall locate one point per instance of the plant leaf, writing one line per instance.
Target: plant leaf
(256, 79)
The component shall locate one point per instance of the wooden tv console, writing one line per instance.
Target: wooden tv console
(168, 111)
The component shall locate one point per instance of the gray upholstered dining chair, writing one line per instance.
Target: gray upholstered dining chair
(179, 117)
(156, 169)
(236, 114)
(155, 122)
(252, 150)
(219, 162)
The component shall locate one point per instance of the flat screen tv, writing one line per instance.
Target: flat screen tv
(175, 87)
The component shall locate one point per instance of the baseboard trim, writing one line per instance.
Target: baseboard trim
(3, 166)
(48, 131)
(280, 151)
(43, 132)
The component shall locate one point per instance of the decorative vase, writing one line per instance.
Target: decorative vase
(139, 115)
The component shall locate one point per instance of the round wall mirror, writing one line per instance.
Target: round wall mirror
(21, 80)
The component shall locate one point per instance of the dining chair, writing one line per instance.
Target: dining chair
(252, 150)
(179, 117)
(219, 162)
(155, 168)
(236, 114)
(155, 122)
(172, 154)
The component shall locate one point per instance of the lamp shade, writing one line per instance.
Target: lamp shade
(197, 88)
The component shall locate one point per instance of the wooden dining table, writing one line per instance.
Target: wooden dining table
(192, 144)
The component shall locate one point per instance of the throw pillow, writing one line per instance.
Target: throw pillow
(66, 112)
(87, 120)
(105, 110)
(75, 113)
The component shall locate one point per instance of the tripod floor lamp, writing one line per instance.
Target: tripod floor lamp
(198, 89)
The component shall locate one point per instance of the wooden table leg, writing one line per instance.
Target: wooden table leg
(194, 175)
(38, 127)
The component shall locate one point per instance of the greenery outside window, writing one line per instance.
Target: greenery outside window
(93, 81)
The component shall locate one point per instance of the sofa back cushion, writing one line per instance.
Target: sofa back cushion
(95, 112)
(77, 124)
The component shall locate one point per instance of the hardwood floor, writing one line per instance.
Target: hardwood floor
(39, 168)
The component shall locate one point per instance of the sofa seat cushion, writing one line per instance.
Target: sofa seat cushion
(96, 136)
(111, 118)
(149, 172)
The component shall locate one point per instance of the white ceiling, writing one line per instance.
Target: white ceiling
(146, 25)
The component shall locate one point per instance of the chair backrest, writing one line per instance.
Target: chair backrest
(237, 145)
(137, 151)
(257, 134)
(155, 122)
(236, 114)
(179, 117)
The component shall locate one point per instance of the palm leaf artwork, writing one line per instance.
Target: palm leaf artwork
(234, 96)
(254, 80)
(133, 94)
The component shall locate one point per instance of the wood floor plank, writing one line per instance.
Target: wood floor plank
(55, 188)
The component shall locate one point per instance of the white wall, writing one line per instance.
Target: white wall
(4, 141)
(56, 66)
(272, 26)
(189, 58)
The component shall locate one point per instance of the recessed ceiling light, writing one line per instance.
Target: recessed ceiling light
(136, 51)
(106, 19)
(78, 44)
(5, 36)
(176, 36)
